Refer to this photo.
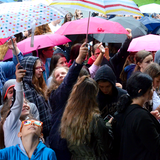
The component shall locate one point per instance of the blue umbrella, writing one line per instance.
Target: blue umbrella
(150, 23)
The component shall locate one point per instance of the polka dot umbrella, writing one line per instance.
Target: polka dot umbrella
(17, 17)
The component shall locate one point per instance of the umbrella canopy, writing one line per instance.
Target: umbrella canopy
(150, 8)
(138, 29)
(20, 16)
(3, 40)
(106, 7)
(148, 42)
(150, 23)
(96, 26)
(40, 41)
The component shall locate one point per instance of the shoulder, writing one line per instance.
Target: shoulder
(121, 91)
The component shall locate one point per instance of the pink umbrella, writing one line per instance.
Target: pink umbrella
(96, 26)
(40, 41)
(148, 42)
(3, 40)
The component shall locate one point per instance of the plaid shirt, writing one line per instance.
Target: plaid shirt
(33, 96)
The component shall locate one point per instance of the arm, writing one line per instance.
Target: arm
(61, 94)
(122, 54)
(145, 129)
(95, 66)
(12, 119)
(18, 53)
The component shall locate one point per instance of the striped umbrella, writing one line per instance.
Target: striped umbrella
(123, 7)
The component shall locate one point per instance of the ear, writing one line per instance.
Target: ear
(19, 134)
(139, 64)
(41, 137)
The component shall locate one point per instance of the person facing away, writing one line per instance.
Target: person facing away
(30, 147)
(108, 94)
(82, 126)
(34, 89)
(136, 131)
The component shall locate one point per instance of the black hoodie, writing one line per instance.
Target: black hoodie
(107, 103)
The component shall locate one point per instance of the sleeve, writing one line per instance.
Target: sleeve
(20, 57)
(52, 156)
(102, 133)
(61, 94)
(8, 68)
(122, 54)
(4, 153)
(93, 69)
(145, 128)
(12, 119)
(156, 100)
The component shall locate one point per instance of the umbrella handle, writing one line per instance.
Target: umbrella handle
(88, 26)
(14, 50)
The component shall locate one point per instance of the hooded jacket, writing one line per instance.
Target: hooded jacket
(17, 153)
(33, 96)
(107, 103)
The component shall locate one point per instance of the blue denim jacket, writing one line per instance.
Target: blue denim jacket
(7, 70)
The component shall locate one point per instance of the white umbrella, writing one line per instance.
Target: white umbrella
(150, 8)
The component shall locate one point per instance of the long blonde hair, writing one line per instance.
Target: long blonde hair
(79, 111)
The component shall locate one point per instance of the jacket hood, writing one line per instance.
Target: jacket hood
(37, 153)
(28, 63)
(157, 57)
(105, 73)
(8, 84)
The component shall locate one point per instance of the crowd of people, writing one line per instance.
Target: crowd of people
(80, 102)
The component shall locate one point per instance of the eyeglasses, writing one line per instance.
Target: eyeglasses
(38, 68)
(29, 122)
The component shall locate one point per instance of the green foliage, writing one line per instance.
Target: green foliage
(143, 2)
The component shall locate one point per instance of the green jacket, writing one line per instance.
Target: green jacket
(99, 145)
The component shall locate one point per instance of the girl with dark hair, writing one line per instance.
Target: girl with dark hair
(68, 17)
(136, 131)
(57, 60)
(81, 123)
(142, 58)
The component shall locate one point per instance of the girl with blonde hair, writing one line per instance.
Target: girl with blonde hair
(82, 126)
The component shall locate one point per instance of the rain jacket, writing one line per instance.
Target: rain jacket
(137, 134)
(33, 96)
(98, 147)
(18, 153)
(58, 100)
(107, 103)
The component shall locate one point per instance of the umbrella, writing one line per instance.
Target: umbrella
(20, 16)
(138, 29)
(150, 8)
(106, 7)
(40, 41)
(148, 42)
(150, 23)
(3, 40)
(96, 26)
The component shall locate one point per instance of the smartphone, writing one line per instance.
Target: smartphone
(107, 118)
